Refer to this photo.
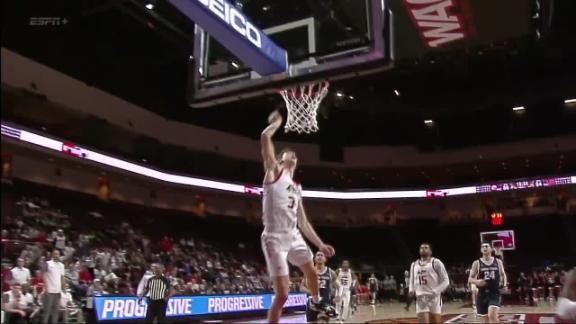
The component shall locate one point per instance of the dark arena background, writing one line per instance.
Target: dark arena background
(132, 130)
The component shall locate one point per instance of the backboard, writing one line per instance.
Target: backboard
(324, 40)
(503, 239)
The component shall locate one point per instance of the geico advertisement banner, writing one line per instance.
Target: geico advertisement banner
(125, 308)
(227, 24)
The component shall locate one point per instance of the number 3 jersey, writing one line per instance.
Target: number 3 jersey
(280, 203)
(428, 277)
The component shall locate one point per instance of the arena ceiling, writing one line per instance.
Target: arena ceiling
(142, 56)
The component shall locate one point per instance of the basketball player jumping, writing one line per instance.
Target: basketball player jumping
(284, 223)
(327, 284)
(343, 295)
(428, 279)
(488, 274)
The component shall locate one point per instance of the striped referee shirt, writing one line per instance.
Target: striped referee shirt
(158, 287)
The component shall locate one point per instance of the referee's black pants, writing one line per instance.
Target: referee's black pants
(156, 309)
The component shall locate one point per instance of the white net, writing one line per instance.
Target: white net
(302, 103)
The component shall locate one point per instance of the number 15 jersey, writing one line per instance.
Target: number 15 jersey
(428, 277)
(280, 202)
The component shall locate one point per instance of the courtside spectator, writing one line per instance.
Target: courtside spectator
(17, 304)
(59, 239)
(53, 271)
(20, 274)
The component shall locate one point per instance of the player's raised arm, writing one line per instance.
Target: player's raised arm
(268, 152)
(310, 233)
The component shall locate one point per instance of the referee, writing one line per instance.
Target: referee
(159, 288)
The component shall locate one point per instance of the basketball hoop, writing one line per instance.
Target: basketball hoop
(302, 103)
(498, 251)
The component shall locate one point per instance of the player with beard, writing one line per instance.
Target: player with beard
(327, 284)
(428, 279)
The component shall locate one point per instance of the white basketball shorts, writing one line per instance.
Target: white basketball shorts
(281, 248)
(429, 304)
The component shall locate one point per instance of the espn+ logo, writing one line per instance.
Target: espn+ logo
(231, 16)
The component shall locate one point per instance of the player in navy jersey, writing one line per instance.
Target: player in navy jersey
(488, 274)
(328, 284)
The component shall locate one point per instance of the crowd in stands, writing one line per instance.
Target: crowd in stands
(538, 285)
(111, 259)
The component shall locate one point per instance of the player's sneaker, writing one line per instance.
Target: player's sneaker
(474, 309)
(321, 307)
(330, 311)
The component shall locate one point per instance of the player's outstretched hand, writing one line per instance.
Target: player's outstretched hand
(328, 250)
(275, 117)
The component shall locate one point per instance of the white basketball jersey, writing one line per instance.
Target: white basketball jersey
(345, 279)
(280, 204)
(425, 277)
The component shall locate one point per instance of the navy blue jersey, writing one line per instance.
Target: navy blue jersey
(489, 273)
(325, 284)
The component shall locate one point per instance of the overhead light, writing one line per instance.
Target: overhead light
(351, 97)
(397, 93)
(567, 101)
(149, 6)
(519, 108)
(235, 65)
(428, 122)
(339, 94)
(266, 8)
(191, 57)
